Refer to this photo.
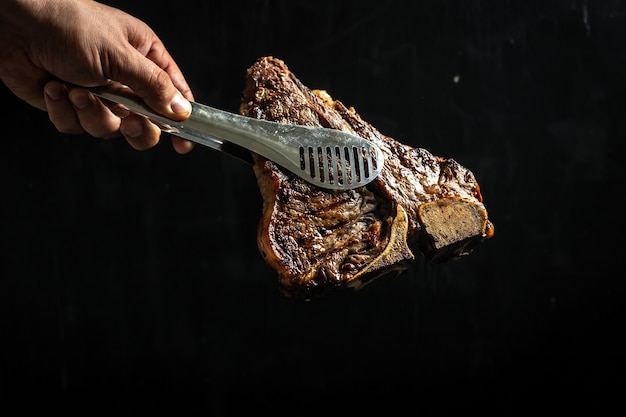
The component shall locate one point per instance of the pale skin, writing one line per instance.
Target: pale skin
(50, 50)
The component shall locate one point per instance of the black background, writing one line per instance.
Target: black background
(131, 281)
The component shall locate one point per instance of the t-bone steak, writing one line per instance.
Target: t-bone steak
(320, 240)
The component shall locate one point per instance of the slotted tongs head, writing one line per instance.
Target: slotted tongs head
(324, 157)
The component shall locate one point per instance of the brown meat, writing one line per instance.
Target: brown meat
(319, 240)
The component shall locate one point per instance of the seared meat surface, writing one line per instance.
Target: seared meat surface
(317, 239)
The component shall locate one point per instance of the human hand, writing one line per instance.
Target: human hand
(50, 50)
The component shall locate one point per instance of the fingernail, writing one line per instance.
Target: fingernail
(54, 91)
(80, 100)
(134, 130)
(180, 105)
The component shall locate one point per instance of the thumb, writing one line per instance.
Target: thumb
(155, 85)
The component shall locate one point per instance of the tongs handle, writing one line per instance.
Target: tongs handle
(122, 102)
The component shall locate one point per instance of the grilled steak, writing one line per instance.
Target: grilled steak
(320, 240)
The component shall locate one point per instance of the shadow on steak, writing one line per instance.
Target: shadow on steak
(320, 240)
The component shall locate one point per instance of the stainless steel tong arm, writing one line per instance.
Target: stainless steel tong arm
(326, 157)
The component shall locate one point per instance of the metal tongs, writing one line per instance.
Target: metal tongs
(324, 157)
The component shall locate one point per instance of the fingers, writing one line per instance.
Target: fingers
(165, 91)
(60, 109)
(179, 108)
(148, 69)
(169, 102)
(153, 84)
(182, 146)
(174, 90)
(140, 133)
(75, 110)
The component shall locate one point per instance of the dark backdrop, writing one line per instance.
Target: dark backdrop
(132, 280)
